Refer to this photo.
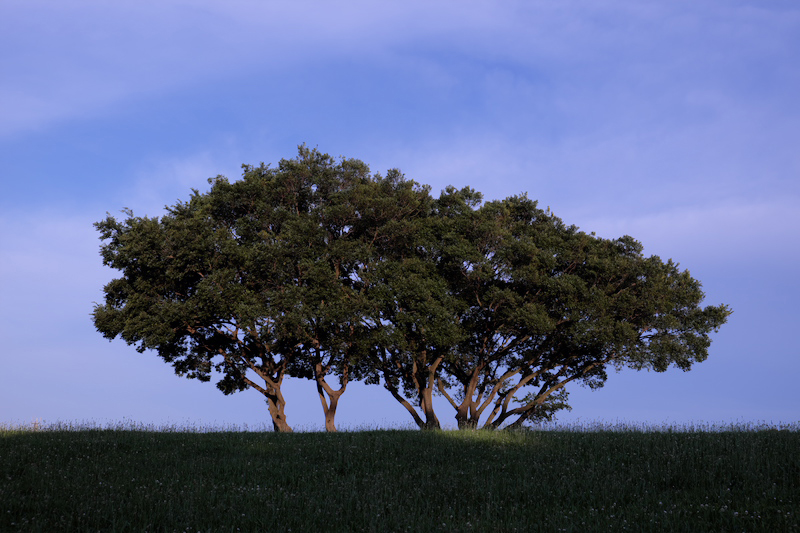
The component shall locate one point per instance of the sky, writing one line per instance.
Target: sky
(677, 123)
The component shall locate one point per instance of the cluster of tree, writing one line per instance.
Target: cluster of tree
(318, 269)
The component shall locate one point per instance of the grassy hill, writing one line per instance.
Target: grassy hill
(554, 480)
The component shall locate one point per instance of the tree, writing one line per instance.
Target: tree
(417, 313)
(545, 305)
(340, 324)
(317, 269)
(249, 279)
(259, 279)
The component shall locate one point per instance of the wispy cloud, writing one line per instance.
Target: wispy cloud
(163, 182)
(49, 275)
(86, 56)
(723, 235)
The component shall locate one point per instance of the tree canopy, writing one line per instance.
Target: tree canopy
(318, 269)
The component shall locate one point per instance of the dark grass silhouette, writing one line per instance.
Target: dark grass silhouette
(603, 478)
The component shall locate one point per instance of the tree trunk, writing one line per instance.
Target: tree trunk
(517, 424)
(330, 416)
(276, 405)
(468, 412)
(465, 411)
(410, 408)
(431, 421)
(329, 407)
(424, 381)
(274, 398)
(466, 422)
(463, 416)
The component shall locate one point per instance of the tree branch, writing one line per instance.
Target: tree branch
(443, 390)
(410, 408)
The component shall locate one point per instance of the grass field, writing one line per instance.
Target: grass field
(612, 479)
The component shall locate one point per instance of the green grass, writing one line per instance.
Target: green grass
(607, 479)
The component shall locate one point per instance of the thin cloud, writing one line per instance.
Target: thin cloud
(163, 182)
(714, 235)
(86, 57)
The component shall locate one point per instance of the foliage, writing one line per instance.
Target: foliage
(317, 268)
(545, 304)
(235, 280)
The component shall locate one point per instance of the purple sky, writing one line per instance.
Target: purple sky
(675, 122)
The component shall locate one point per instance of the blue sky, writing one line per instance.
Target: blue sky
(675, 122)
